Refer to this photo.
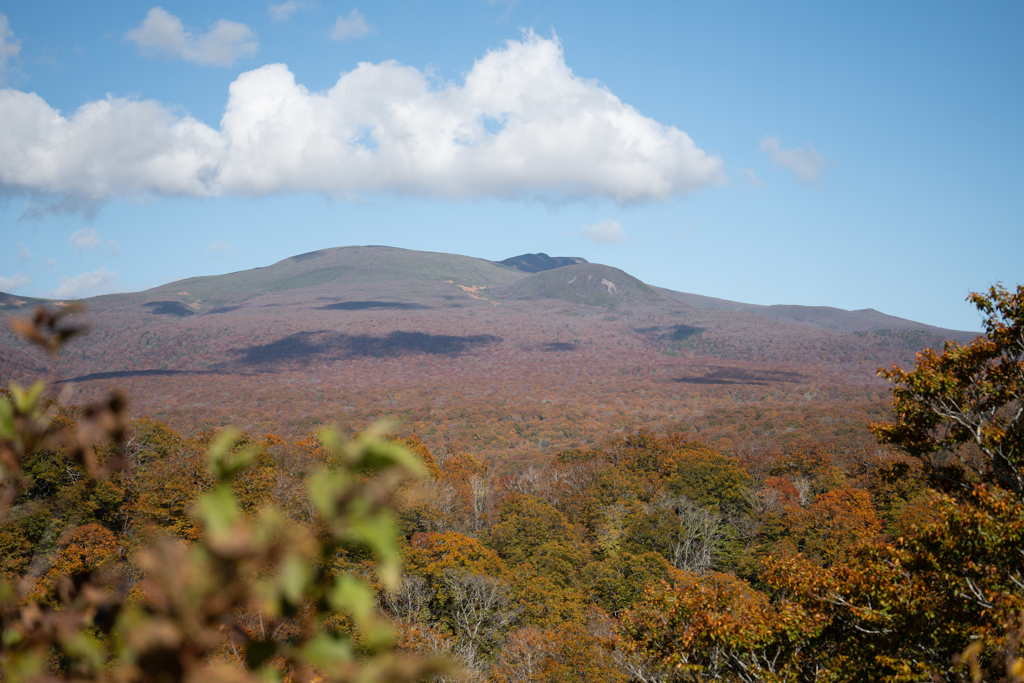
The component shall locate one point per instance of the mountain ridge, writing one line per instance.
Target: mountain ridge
(472, 355)
(535, 263)
(358, 268)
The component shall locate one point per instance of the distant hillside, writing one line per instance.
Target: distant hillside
(361, 274)
(472, 355)
(10, 303)
(824, 317)
(586, 283)
(536, 263)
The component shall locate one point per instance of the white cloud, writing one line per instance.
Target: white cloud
(521, 125)
(352, 26)
(10, 46)
(23, 253)
(604, 232)
(284, 11)
(50, 263)
(220, 248)
(752, 178)
(163, 33)
(106, 149)
(99, 281)
(807, 164)
(114, 248)
(18, 280)
(84, 239)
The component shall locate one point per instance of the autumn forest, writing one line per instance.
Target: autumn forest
(371, 464)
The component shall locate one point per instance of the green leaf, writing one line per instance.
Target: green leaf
(25, 400)
(379, 533)
(331, 440)
(218, 510)
(327, 651)
(371, 452)
(225, 464)
(11, 637)
(377, 455)
(6, 418)
(324, 489)
(82, 645)
(351, 595)
(294, 578)
(24, 666)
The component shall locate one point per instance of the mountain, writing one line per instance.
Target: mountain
(472, 355)
(590, 284)
(535, 263)
(398, 275)
(824, 317)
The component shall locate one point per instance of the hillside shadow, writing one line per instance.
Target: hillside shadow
(121, 374)
(308, 255)
(675, 332)
(175, 308)
(367, 305)
(559, 346)
(307, 347)
(742, 376)
(681, 332)
(224, 309)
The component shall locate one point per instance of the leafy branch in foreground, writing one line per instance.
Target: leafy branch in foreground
(961, 411)
(184, 620)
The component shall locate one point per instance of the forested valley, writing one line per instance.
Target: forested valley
(133, 551)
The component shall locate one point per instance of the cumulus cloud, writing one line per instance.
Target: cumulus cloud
(220, 248)
(10, 46)
(99, 281)
(604, 232)
(284, 11)
(85, 239)
(10, 284)
(522, 124)
(23, 253)
(163, 33)
(352, 26)
(807, 164)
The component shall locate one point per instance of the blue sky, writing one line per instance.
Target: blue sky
(866, 155)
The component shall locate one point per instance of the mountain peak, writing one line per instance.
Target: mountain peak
(536, 263)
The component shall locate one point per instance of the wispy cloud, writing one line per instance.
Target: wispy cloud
(10, 46)
(24, 254)
(509, 4)
(284, 11)
(382, 128)
(114, 248)
(752, 179)
(85, 239)
(163, 33)
(99, 281)
(220, 248)
(352, 26)
(807, 164)
(17, 281)
(604, 232)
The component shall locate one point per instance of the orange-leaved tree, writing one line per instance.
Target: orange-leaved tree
(944, 601)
